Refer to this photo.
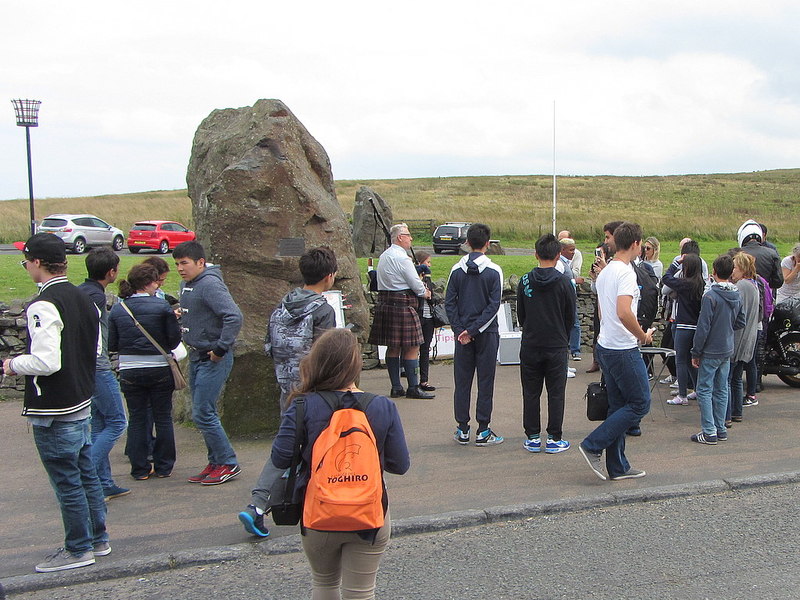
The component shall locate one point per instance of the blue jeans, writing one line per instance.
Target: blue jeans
(712, 394)
(148, 393)
(64, 449)
(735, 390)
(625, 375)
(575, 335)
(108, 423)
(206, 379)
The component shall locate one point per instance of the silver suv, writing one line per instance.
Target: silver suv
(80, 232)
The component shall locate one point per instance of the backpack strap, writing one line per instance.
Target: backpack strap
(333, 400)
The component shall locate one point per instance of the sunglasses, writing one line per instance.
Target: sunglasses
(648, 247)
(24, 264)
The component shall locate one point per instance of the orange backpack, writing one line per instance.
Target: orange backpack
(345, 489)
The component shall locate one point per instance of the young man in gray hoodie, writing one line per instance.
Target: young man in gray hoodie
(210, 321)
(720, 314)
(302, 316)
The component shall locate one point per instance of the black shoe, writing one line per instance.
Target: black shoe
(634, 431)
(416, 392)
(427, 388)
(397, 392)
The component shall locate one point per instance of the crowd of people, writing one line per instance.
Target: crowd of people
(716, 319)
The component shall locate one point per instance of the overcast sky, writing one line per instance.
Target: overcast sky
(403, 89)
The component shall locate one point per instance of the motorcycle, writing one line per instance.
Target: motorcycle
(782, 349)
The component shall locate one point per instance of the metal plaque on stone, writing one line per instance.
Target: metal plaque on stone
(291, 246)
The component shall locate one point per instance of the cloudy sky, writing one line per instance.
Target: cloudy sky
(410, 89)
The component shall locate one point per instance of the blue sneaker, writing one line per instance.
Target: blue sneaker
(554, 447)
(253, 522)
(461, 436)
(115, 492)
(533, 444)
(488, 438)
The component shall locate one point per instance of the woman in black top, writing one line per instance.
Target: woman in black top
(145, 377)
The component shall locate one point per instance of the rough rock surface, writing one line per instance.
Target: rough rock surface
(369, 236)
(262, 192)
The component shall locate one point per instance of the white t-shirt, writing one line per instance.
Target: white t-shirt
(788, 290)
(617, 279)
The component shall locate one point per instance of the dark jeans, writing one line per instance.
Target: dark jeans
(687, 374)
(735, 390)
(480, 356)
(64, 448)
(149, 391)
(538, 367)
(628, 402)
(425, 349)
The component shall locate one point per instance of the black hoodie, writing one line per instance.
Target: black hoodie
(545, 308)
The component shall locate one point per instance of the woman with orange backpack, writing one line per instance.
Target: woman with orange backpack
(349, 438)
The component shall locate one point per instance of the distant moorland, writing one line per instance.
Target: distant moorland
(518, 208)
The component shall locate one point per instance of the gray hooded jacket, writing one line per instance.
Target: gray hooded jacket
(721, 313)
(210, 319)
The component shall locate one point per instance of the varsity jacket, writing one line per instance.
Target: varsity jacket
(63, 344)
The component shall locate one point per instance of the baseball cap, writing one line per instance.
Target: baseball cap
(44, 246)
(749, 228)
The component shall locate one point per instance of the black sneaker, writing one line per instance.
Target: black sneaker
(397, 392)
(253, 522)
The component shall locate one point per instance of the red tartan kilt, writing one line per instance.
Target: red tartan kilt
(396, 321)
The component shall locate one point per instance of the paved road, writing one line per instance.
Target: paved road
(730, 545)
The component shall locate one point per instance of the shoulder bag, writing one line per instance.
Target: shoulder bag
(177, 375)
(285, 511)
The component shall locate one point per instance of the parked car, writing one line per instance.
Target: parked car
(161, 236)
(450, 236)
(80, 232)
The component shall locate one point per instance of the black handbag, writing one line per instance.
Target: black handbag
(282, 506)
(439, 315)
(597, 401)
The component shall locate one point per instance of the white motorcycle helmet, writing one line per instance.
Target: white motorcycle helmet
(748, 229)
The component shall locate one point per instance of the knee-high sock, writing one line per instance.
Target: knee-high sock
(393, 366)
(412, 372)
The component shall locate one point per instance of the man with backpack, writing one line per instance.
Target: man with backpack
(302, 316)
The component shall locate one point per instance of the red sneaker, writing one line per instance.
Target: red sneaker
(202, 474)
(221, 474)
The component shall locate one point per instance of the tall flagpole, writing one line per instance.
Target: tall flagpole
(554, 168)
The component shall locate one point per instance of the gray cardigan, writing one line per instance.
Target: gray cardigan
(744, 340)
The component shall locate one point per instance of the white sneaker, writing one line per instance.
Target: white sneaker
(674, 385)
(572, 369)
(667, 379)
(570, 374)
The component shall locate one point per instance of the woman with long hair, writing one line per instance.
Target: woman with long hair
(145, 377)
(689, 286)
(744, 340)
(343, 564)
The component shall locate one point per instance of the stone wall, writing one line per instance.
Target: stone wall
(13, 341)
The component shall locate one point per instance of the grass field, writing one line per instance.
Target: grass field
(518, 208)
(16, 283)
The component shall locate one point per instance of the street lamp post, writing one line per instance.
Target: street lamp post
(27, 112)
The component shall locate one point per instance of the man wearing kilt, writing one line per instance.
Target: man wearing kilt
(396, 322)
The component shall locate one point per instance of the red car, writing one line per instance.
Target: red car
(161, 236)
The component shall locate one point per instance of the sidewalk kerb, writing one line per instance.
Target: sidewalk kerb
(400, 527)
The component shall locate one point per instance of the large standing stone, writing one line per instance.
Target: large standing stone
(372, 216)
(262, 192)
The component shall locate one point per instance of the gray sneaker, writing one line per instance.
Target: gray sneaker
(63, 560)
(488, 438)
(595, 462)
(461, 436)
(630, 474)
(102, 549)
